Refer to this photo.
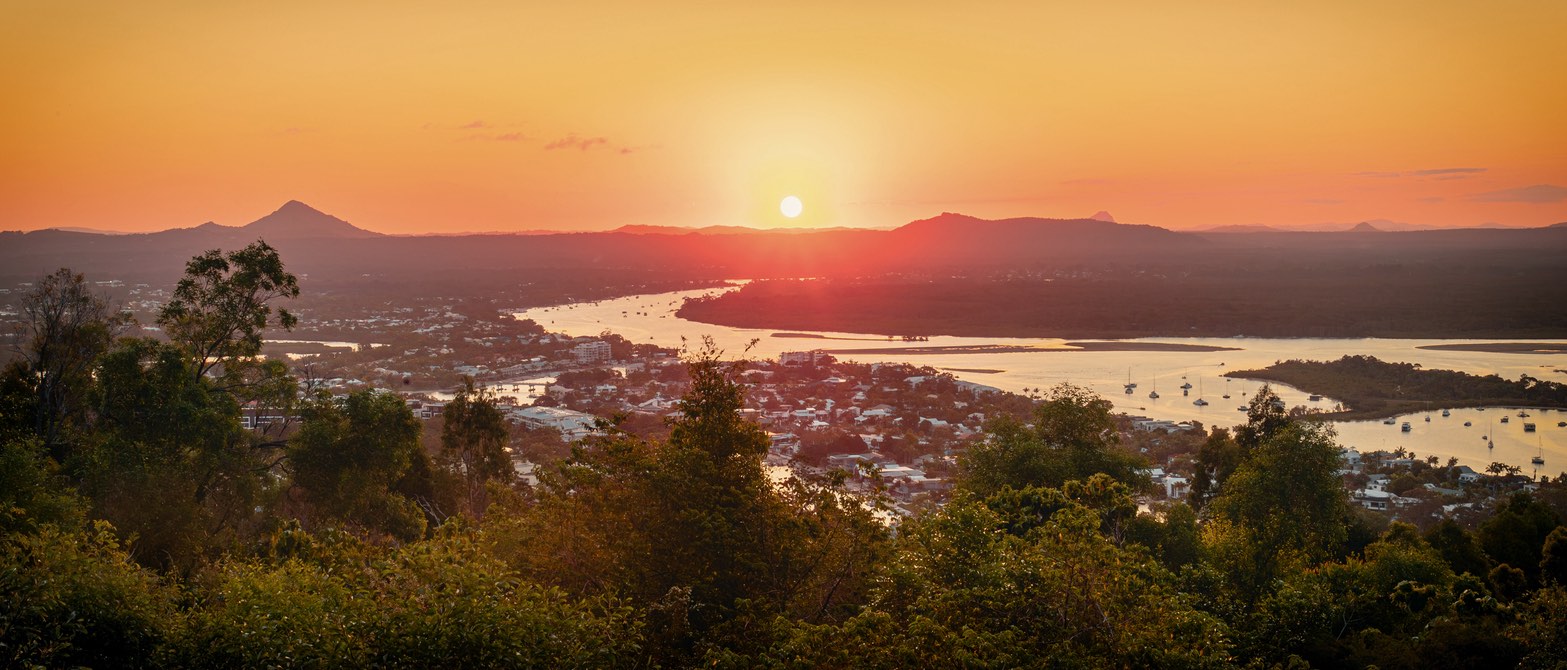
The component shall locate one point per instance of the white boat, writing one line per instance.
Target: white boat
(1446, 413)
(1504, 419)
(1404, 427)
(1389, 421)
(1428, 418)
(1200, 402)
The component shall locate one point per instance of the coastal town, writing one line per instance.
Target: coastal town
(894, 429)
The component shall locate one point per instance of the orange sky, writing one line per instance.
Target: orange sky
(411, 117)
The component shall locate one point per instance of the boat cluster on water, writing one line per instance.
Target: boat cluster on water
(1490, 443)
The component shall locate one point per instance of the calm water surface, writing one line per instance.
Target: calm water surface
(651, 319)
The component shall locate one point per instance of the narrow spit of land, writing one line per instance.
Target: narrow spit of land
(1017, 348)
(1503, 347)
(1373, 389)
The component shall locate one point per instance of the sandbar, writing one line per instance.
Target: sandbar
(1503, 347)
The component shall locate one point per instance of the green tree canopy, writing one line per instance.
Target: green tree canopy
(63, 329)
(223, 304)
(351, 452)
(1283, 505)
(694, 530)
(474, 435)
(1515, 534)
(1072, 437)
(964, 591)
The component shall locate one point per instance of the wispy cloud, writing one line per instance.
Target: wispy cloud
(493, 137)
(1539, 193)
(1440, 173)
(475, 125)
(573, 141)
(1445, 171)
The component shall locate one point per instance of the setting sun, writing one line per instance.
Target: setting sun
(791, 207)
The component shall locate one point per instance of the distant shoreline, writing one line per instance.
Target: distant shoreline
(818, 336)
(1022, 348)
(1502, 347)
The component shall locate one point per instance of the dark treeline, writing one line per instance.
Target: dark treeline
(142, 527)
(1371, 388)
(1198, 297)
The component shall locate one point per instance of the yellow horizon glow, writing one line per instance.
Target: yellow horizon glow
(406, 117)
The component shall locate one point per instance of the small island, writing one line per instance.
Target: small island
(1372, 389)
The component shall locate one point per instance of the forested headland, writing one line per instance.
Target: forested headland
(1371, 388)
(1258, 294)
(143, 526)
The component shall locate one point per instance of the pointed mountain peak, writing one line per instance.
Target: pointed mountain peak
(1102, 215)
(299, 220)
(1365, 227)
(297, 207)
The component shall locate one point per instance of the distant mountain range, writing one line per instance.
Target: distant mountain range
(296, 219)
(325, 246)
(1374, 225)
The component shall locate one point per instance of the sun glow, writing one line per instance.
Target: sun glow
(791, 206)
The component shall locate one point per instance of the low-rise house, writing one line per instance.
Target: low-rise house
(1176, 486)
(850, 462)
(573, 425)
(1376, 499)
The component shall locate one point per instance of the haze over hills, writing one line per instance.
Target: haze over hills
(322, 245)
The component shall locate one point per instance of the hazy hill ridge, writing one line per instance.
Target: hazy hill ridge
(323, 245)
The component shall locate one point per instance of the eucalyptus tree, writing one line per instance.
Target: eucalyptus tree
(63, 329)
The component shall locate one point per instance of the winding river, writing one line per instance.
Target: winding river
(650, 318)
